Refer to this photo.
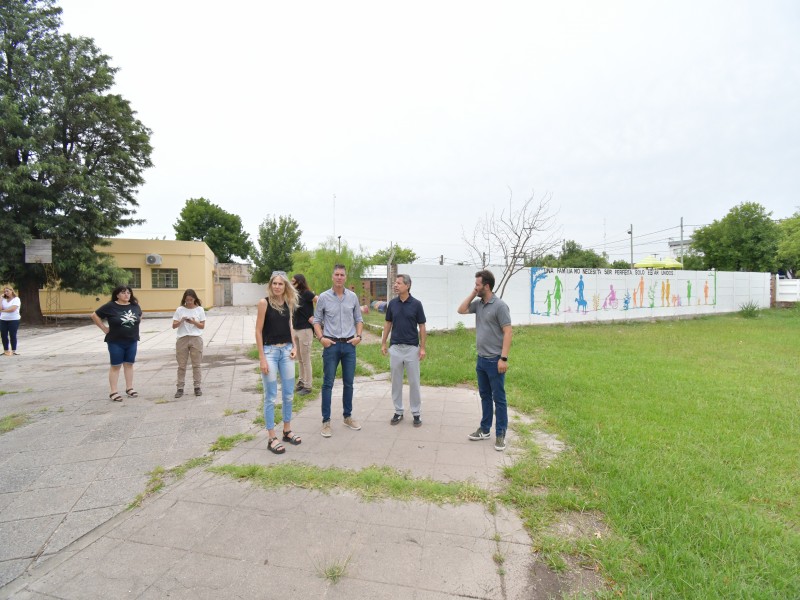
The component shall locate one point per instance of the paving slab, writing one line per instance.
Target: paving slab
(69, 474)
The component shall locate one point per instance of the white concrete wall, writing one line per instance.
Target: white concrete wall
(787, 290)
(248, 294)
(442, 288)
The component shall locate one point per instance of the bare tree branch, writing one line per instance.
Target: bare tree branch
(514, 237)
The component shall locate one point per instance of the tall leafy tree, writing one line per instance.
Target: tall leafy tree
(574, 255)
(278, 240)
(202, 221)
(317, 265)
(746, 239)
(789, 245)
(398, 255)
(71, 154)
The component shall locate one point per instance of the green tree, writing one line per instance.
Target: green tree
(573, 255)
(402, 256)
(620, 264)
(789, 245)
(548, 260)
(278, 240)
(200, 220)
(71, 154)
(692, 261)
(317, 265)
(746, 239)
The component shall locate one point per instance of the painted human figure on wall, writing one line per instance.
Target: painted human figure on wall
(705, 291)
(641, 291)
(556, 295)
(579, 287)
(667, 294)
(689, 293)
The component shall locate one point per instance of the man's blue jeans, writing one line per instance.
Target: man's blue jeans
(492, 390)
(344, 353)
(279, 361)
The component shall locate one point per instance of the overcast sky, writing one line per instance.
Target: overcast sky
(420, 117)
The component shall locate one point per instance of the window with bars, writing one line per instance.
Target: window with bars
(135, 280)
(165, 278)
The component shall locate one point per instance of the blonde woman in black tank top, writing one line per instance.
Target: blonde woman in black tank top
(276, 354)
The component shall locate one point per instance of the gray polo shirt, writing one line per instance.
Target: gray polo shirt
(338, 315)
(490, 318)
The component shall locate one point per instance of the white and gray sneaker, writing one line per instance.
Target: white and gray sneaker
(479, 434)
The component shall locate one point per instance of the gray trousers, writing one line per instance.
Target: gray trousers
(405, 357)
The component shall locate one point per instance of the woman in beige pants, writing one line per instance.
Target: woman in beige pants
(189, 320)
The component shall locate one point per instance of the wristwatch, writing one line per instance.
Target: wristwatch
(504, 358)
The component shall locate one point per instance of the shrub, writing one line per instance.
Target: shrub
(749, 310)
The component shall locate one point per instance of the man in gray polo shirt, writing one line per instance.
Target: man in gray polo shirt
(493, 341)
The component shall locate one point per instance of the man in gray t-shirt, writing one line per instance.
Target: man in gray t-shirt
(493, 341)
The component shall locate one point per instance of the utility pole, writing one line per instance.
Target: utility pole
(681, 240)
(389, 280)
(339, 251)
(630, 232)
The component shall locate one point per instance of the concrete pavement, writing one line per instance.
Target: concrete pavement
(67, 476)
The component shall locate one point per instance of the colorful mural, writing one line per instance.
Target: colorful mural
(610, 291)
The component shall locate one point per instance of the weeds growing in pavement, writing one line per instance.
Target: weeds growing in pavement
(11, 422)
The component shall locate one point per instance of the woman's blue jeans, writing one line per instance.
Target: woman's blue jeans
(278, 361)
(492, 390)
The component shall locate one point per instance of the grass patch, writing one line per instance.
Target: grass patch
(3, 392)
(159, 477)
(11, 422)
(225, 443)
(229, 412)
(371, 483)
(683, 434)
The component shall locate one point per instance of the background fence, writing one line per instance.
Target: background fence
(539, 296)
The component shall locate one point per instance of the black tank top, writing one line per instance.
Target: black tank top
(276, 326)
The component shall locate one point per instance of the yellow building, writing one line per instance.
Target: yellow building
(161, 271)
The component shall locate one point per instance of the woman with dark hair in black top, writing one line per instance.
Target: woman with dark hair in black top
(304, 332)
(123, 315)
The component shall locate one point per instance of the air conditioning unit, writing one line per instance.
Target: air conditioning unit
(153, 259)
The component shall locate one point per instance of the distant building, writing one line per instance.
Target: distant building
(160, 270)
(678, 248)
(227, 274)
(374, 284)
